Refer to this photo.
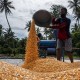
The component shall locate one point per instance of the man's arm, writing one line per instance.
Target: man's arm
(55, 23)
(57, 26)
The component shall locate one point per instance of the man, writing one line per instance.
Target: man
(64, 37)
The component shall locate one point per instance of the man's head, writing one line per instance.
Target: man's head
(63, 12)
(39, 35)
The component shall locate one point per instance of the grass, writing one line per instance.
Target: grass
(16, 56)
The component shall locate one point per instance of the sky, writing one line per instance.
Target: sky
(24, 10)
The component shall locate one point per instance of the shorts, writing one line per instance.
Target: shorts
(67, 44)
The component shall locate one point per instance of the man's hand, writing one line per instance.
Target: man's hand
(47, 26)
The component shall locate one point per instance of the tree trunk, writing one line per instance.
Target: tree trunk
(7, 20)
(9, 27)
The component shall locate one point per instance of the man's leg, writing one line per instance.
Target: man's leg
(70, 55)
(68, 49)
(58, 52)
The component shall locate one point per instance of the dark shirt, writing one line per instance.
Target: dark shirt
(63, 32)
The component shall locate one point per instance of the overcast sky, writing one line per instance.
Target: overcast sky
(24, 10)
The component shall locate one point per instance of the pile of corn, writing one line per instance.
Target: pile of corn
(39, 69)
(11, 72)
(31, 51)
(48, 65)
(75, 65)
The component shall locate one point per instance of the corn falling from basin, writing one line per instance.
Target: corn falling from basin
(31, 51)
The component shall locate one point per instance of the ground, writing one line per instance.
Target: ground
(20, 61)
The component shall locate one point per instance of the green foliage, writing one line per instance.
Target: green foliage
(76, 38)
(78, 46)
(55, 10)
(0, 30)
(6, 6)
(75, 5)
(10, 44)
(28, 25)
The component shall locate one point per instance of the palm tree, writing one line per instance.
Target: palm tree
(77, 16)
(75, 28)
(75, 5)
(28, 25)
(0, 30)
(10, 39)
(6, 5)
(37, 30)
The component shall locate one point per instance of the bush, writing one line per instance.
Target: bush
(78, 50)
